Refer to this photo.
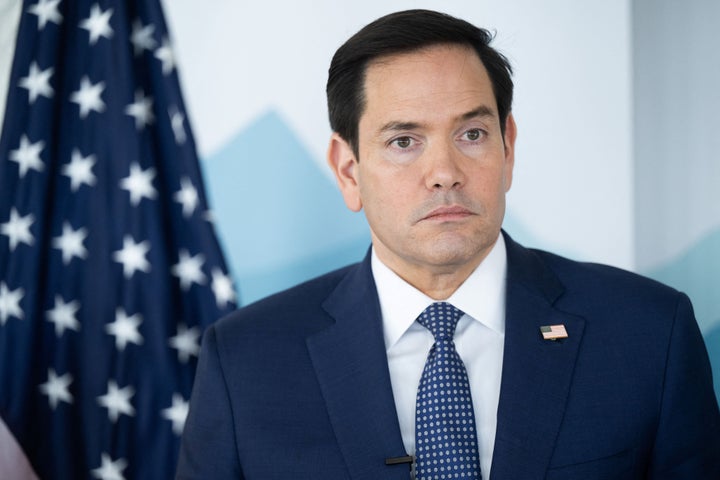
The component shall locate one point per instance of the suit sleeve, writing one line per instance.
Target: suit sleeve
(208, 449)
(687, 443)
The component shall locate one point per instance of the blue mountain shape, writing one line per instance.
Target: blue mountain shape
(712, 340)
(280, 219)
(697, 273)
(523, 235)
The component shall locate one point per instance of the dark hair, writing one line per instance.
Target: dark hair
(403, 32)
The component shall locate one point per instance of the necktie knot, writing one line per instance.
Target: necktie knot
(441, 319)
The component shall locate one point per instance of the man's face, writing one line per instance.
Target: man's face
(433, 169)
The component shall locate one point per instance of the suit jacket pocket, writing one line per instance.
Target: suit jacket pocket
(614, 467)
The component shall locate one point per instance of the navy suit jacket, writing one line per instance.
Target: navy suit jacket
(297, 385)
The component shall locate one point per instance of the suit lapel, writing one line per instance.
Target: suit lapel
(536, 373)
(351, 366)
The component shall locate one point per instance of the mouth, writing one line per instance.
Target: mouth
(448, 213)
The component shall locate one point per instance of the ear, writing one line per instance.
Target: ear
(342, 161)
(510, 136)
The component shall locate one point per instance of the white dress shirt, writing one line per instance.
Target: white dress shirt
(479, 339)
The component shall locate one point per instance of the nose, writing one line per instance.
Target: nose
(443, 168)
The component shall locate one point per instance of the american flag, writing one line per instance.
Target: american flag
(109, 264)
(553, 332)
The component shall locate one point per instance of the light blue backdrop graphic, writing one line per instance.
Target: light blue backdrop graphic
(282, 220)
(697, 273)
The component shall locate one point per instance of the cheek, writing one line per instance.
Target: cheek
(375, 199)
(384, 199)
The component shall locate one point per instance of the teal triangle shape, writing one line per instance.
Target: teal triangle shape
(280, 218)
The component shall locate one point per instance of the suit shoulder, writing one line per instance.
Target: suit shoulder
(607, 282)
(298, 307)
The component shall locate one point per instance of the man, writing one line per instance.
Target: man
(567, 370)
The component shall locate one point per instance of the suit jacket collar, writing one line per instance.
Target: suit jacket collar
(351, 366)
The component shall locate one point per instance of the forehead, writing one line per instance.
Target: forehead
(438, 79)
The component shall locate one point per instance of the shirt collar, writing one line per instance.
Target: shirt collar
(481, 296)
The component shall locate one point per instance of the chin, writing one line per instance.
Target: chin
(450, 257)
(451, 251)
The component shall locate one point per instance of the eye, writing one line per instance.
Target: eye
(473, 134)
(402, 142)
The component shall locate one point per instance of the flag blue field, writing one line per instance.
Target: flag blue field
(109, 264)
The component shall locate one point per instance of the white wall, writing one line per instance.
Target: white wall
(677, 121)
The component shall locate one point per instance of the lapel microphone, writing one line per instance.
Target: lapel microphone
(398, 460)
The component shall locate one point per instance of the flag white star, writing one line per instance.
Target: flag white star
(88, 97)
(186, 342)
(117, 401)
(98, 23)
(187, 196)
(10, 303)
(177, 413)
(141, 110)
(63, 315)
(71, 243)
(139, 184)
(142, 36)
(57, 388)
(177, 122)
(17, 229)
(27, 155)
(46, 11)
(37, 82)
(79, 170)
(189, 269)
(110, 470)
(125, 329)
(222, 287)
(132, 256)
(165, 54)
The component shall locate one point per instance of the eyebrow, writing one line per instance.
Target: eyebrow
(482, 111)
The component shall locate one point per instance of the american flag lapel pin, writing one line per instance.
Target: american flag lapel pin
(553, 332)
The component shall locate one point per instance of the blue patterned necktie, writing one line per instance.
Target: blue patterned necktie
(445, 436)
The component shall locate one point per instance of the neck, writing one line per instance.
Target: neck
(437, 282)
